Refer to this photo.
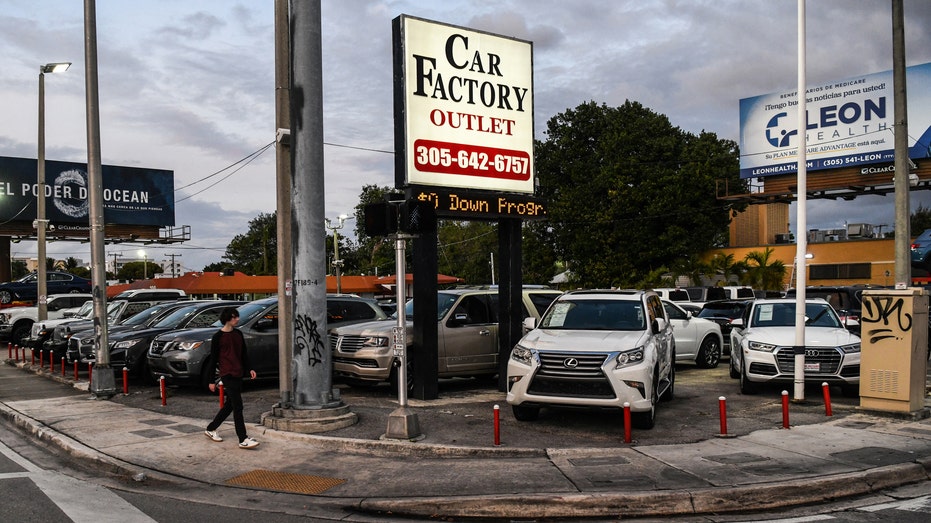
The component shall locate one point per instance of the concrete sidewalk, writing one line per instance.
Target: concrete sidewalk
(858, 454)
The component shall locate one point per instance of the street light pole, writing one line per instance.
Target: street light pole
(145, 265)
(41, 222)
(337, 263)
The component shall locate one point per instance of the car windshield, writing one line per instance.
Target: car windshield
(248, 311)
(175, 318)
(113, 310)
(783, 315)
(443, 303)
(148, 314)
(721, 310)
(615, 315)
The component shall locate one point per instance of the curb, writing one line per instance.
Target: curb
(74, 448)
(659, 503)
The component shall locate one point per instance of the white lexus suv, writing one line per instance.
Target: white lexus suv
(595, 348)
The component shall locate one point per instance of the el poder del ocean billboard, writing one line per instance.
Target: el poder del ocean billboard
(131, 195)
(850, 122)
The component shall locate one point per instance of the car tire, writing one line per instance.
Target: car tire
(646, 420)
(207, 375)
(20, 332)
(747, 386)
(6, 296)
(734, 373)
(522, 413)
(709, 354)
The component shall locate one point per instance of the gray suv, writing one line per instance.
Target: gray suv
(181, 356)
(467, 337)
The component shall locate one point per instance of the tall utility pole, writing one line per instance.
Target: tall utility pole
(313, 376)
(103, 384)
(801, 247)
(283, 177)
(903, 236)
(173, 271)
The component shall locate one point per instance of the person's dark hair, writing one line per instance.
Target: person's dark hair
(227, 314)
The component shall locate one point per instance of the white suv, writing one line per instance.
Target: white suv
(596, 348)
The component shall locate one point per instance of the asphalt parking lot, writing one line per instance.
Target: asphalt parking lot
(464, 412)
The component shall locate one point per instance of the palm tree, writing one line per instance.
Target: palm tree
(764, 272)
(724, 265)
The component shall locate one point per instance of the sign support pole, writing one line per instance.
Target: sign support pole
(402, 422)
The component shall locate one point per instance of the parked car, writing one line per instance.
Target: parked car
(181, 356)
(921, 249)
(698, 340)
(673, 294)
(27, 287)
(763, 340)
(16, 322)
(128, 348)
(724, 312)
(713, 293)
(54, 337)
(595, 349)
(467, 337)
(847, 300)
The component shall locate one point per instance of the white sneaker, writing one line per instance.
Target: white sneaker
(212, 434)
(248, 443)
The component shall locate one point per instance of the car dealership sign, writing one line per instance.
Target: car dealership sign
(463, 108)
(849, 122)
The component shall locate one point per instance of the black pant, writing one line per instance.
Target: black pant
(232, 388)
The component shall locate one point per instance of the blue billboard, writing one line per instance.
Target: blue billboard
(131, 195)
(848, 122)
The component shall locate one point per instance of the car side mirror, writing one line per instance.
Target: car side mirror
(530, 323)
(658, 325)
(265, 324)
(737, 323)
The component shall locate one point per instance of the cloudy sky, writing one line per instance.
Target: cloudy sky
(189, 86)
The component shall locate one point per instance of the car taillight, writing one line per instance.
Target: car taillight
(914, 246)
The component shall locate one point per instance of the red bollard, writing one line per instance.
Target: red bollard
(51, 362)
(76, 371)
(62, 365)
(222, 396)
(125, 381)
(785, 409)
(16, 351)
(32, 354)
(41, 358)
(161, 389)
(722, 408)
(497, 425)
(90, 371)
(827, 399)
(9, 351)
(627, 438)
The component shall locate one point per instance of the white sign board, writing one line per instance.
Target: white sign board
(463, 107)
(850, 122)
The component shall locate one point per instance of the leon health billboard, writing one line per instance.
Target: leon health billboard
(464, 107)
(850, 122)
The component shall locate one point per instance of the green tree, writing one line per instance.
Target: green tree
(725, 266)
(369, 255)
(255, 252)
(628, 192)
(138, 270)
(466, 249)
(920, 220)
(763, 271)
(18, 269)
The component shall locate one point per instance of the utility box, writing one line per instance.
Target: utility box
(894, 349)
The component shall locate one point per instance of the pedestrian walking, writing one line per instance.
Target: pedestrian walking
(228, 350)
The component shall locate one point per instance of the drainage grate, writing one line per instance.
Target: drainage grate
(285, 481)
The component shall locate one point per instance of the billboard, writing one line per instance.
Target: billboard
(849, 122)
(463, 108)
(131, 195)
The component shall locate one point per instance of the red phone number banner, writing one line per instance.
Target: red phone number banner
(471, 160)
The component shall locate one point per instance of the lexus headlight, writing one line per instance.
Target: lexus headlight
(852, 348)
(760, 346)
(629, 357)
(125, 344)
(522, 354)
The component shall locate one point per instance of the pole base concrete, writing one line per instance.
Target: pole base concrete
(403, 424)
(103, 384)
(306, 421)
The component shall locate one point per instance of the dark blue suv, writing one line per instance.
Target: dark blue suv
(921, 249)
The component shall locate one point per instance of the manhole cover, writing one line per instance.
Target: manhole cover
(285, 481)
